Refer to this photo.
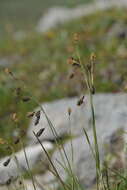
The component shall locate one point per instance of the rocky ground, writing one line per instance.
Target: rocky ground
(111, 120)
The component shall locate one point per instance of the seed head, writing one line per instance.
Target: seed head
(71, 76)
(7, 71)
(80, 101)
(69, 111)
(70, 60)
(38, 114)
(16, 140)
(73, 62)
(39, 133)
(7, 162)
(26, 99)
(37, 117)
(8, 182)
(92, 57)
(30, 114)
(93, 90)
(20, 182)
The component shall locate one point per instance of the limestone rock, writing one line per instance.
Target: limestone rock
(83, 165)
(110, 114)
(18, 164)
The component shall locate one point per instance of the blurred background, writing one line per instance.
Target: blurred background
(25, 14)
(39, 59)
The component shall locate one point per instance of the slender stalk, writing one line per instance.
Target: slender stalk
(56, 136)
(88, 76)
(27, 162)
(72, 151)
(89, 143)
(55, 170)
(50, 125)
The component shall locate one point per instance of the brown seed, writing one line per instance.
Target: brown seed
(92, 57)
(70, 60)
(20, 182)
(88, 66)
(38, 114)
(37, 117)
(7, 162)
(8, 182)
(69, 111)
(7, 71)
(39, 133)
(14, 117)
(36, 121)
(26, 99)
(30, 114)
(80, 101)
(93, 90)
(71, 76)
(16, 140)
(76, 64)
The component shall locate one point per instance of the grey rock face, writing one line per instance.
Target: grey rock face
(110, 113)
(18, 164)
(83, 165)
(57, 112)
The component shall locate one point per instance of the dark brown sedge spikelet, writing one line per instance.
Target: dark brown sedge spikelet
(74, 62)
(69, 111)
(7, 71)
(30, 114)
(7, 162)
(88, 66)
(92, 57)
(18, 91)
(38, 114)
(16, 140)
(39, 133)
(93, 90)
(8, 182)
(37, 117)
(71, 76)
(26, 99)
(70, 60)
(20, 182)
(80, 101)
(8, 148)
